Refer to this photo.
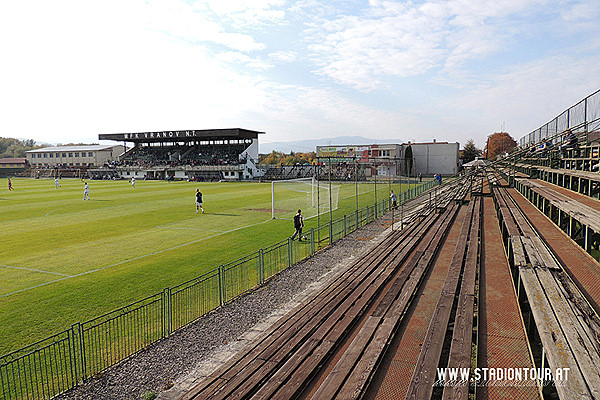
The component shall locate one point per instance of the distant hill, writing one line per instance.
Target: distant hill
(305, 146)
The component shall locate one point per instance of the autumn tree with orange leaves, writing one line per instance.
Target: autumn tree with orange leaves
(499, 143)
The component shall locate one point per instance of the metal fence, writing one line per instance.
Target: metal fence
(581, 117)
(59, 362)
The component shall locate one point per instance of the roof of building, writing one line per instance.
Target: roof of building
(477, 162)
(13, 160)
(166, 136)
(421, 143)
(92, 147)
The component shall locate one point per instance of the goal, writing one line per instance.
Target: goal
(308, 194)
(42, 173)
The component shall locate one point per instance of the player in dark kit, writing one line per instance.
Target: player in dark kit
(199, 201)
(298, 224)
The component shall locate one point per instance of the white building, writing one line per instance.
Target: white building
(73, 156)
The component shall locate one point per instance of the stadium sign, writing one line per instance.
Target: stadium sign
(158, 135)
(233, 133)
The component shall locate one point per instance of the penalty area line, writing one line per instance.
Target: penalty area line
(169, 249)
(134, 259)
(34, 270)
(188, 229)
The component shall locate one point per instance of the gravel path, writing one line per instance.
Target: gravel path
(171, 365)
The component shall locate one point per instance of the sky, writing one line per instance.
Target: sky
(307, 69)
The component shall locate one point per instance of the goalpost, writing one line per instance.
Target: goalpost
(307, 194)
(66, 173)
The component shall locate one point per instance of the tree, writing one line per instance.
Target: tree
(408, 159)
(278, 158)
(470, 151)
(15, 148)
(499, 143)
(272, 158)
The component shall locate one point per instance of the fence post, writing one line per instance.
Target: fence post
(392, 226)
(77, 352)
(345, 226)
(312, 241)
(330, 231)
(261, 265)
(290, 261)
(82, 358)
(166, 302)
(221, 285)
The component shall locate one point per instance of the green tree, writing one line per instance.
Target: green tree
(272, 158)
(470, 151)
(15, 148)
(277, 158)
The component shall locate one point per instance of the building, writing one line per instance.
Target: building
(13, 163)
(434, 158)
(203, 155)
(428, 158)
(478, 162)
(10, 166)
(87, 156)
(383, 159)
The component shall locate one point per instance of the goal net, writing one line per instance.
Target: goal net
(308, 194)
(55, 173)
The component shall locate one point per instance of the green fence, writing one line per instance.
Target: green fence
(59, 362)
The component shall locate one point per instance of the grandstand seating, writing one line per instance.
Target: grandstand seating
(195, 155)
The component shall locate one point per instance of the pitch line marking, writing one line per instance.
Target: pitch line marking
(36, 286)
(132, 259)
(49, 212)
(189, 229)
(36, 270)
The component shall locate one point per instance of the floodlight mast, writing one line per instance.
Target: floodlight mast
(313, 194)
(273, 199)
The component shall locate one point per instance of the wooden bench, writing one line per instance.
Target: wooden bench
(569, 340)
(295, 347)
(424, 376)
(570, 179)
(593, 136)
(350, 377)
(575, 209)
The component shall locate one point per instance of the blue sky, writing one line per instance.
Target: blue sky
(404, 70)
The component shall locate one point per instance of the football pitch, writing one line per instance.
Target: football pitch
(64, 260)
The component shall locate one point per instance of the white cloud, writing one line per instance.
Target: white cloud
(528, 96)
(397, 39)
(247, 12)
(73, 69)
(581, 11)
(360, 51)
(283, 56)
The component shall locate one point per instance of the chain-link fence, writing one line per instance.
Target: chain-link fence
(583, 117)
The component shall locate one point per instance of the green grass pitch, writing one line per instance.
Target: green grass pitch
(64, 260)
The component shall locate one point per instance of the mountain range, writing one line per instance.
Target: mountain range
(305, 146)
